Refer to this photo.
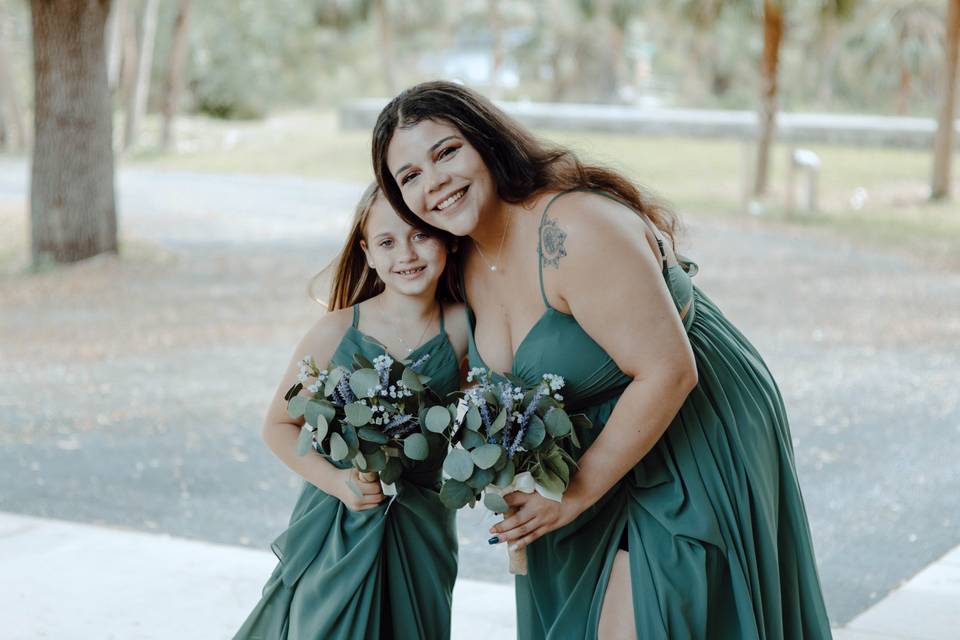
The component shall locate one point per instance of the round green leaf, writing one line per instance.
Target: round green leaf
(415, 446)
(474, 421)
(458, 465)
(372, 435)
(487, 455)
(495, 503)
(505, 475)
(376, 460)
(304, 441)
(350, 437)
(322, 427)
(480, 478)
(358, 414)
(535, 434)
(411, 379)
(437, 419)
(558, 423)
(499, 423)
(472, 440)
(296, 406)
(391, 470)
(360, 462)
(333, 379)
(455, 494)
(362, 382)
(338, 448)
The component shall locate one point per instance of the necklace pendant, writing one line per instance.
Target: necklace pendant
(493, 267)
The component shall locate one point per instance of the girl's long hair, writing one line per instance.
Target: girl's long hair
(521, 165)
(351, 280)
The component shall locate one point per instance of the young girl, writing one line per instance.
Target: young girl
(349, 567)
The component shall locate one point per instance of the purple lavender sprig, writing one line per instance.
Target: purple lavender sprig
(342, 393)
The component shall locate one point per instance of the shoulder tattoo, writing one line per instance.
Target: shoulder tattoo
(552, 238)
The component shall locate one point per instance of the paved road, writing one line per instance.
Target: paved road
(131, 392)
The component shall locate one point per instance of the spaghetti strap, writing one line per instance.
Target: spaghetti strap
(442, 330)
(356, 316)
(543, 217)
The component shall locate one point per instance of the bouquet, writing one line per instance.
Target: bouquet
(379, 415)
(506, 438)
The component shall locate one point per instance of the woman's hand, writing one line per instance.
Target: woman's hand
(361, 496)
(533, 516)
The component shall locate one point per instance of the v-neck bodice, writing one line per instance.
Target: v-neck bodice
(556, 343)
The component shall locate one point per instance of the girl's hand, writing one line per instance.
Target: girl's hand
(533, 517)
(370, 493)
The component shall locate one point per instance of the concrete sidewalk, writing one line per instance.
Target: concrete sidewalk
(70, 581)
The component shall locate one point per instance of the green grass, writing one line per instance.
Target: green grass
(699, 177)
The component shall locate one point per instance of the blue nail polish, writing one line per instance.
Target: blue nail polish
(493, 540)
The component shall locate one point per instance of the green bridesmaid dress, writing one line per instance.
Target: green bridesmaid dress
(385, 572)
(712, 516)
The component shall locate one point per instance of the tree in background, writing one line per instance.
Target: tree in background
(173, 84)
(12, 131)
(72, 202)
(137, 103)
(943, 143)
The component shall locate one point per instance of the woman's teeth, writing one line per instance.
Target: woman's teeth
(449, 201)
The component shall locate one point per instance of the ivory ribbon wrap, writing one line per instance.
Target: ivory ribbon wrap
(524, 483)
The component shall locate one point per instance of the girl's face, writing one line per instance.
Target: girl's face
(408, 260)
(443, 179)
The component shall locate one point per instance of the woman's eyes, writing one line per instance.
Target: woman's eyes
(446, 152)
(407, 178)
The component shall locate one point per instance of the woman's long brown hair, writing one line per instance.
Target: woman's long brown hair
(521, 165)
(353, 279)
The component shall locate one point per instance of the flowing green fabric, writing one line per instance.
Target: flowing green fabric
(713, 516)
(385, 572)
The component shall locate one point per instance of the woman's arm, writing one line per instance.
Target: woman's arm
(281, 432)
(633, 318)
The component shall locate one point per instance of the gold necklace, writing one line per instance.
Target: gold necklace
(399, 337)
(493, 267)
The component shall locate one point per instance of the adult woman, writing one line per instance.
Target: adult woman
(353, 566)
(685, 519)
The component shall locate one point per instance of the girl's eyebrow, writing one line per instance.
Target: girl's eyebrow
(432, 149)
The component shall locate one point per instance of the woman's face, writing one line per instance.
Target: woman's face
(408, 260)
(443, 179)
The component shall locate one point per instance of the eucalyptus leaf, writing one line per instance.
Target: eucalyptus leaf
(558, 424)
(505, 475)
(535, 434)
(487, 455)
(424, 380)
(363, 381)
(372, 435)
(549, 480)
(474, 421)
(360, 462)
(455, 494)
(358, 414)
(349, 434)
(499, 423)
(458, 465)
(472, 439)
(376, 460)
(322, 427)
(480, 478)
(495, 503)
(304, 441)
(296, 406)
(411, 379)
(293, 391)
(437, 420)
(333, 379)
(392, 470)
(338, 448)
(316, 408)
(416, 447)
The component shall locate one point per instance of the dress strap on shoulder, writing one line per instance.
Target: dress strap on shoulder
(442, 330)
(356, 315)
(543, 220)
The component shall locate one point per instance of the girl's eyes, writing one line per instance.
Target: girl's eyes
(421, 236)
(386, 243)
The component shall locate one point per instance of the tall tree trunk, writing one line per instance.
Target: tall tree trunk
(115, 26)
(128, 52)
(767, 116)
(943, 143)
(11, 116)
(174, 82)
(496, 50)
(72, 203)
(137, 106)
(385, 46)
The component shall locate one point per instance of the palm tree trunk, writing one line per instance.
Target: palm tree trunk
(174, 81)
(772, 35)
(943, 143)
(72, 203)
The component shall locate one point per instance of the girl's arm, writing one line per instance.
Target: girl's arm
(633, 318)
(281, 432)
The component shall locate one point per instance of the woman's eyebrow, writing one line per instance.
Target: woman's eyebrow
(432, 149)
